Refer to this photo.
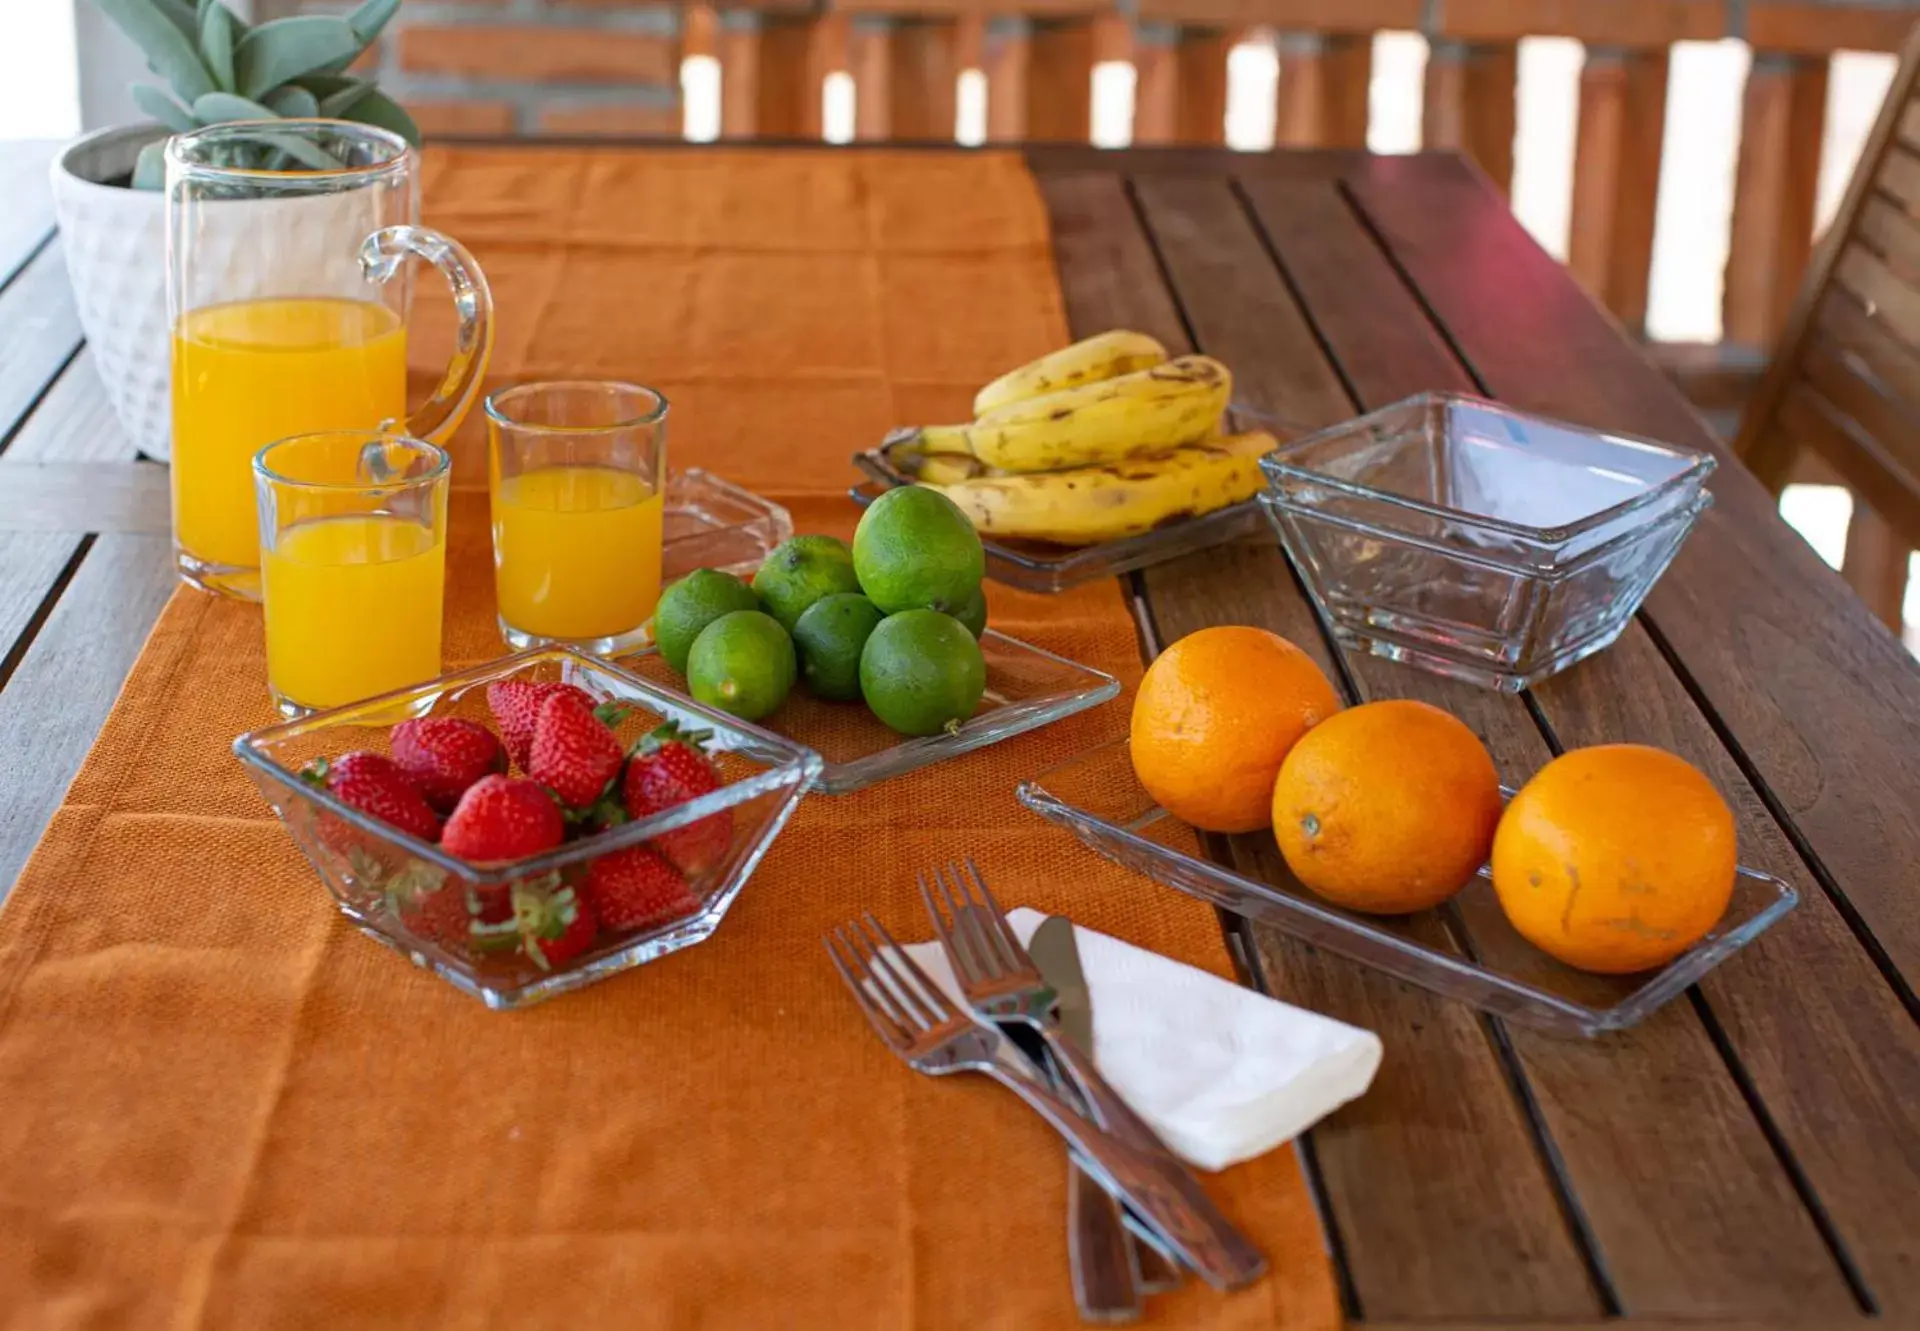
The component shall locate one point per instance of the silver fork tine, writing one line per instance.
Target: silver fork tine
(966, 909)
(884, 1023)
(901, 963)
(949, 924)
(888, 981)
(1002, 932)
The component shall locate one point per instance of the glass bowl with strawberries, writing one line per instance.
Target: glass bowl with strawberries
(538, 823)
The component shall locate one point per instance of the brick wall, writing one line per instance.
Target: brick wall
(559, 67)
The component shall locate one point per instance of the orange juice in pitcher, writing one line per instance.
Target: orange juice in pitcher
(251, 372)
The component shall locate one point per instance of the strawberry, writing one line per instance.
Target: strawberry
(556, 923)
(444, 755)
(636, 889)
(669, 768)
(515, 704)
(441, 912)
(375, 786)
(504, 818)
(575, 754)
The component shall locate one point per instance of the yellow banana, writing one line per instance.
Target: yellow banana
(1148, 411)
(1103, 356)
(904, 456)
(1087, 505)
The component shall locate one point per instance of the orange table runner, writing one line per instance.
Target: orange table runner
(224, 1108)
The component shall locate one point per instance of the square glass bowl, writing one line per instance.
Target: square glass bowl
(1463, 950)
(1480, 542)
(404, 892)
(1027, 687)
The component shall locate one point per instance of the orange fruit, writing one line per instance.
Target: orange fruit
(1616, 858)
(1387, 808)
(1214, 716)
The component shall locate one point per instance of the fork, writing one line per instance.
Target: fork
(1002, 984)
(916, 1020)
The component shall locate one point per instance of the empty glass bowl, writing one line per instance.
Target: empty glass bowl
(1476, 541)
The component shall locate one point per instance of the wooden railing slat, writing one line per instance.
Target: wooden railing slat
(1180, 91)
(1616, 179)
(1060, 82)
(1469, 104)
(1782, 120)
(769, 75)
(1005, 61)
(921, 79)
(1322, 97)
(1875, 563)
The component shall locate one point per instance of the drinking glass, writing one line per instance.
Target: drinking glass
(288, 291)
(577, 473)
(353, 542)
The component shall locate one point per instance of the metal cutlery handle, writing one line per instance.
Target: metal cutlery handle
(1156, 1185)
(1119, 1120)
(1106, 1288)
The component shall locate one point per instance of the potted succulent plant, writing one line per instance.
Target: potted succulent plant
(107, 186)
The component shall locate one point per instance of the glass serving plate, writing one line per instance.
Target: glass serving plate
(711, 523)
(1037, 566)
(390, 884)
(1463, 950)
(1480, 542)
(1026, 688)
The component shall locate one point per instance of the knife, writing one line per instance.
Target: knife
(1113, 1263)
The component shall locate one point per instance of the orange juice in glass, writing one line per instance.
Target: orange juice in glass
(353, 546)
(577, 473)
(288, 288)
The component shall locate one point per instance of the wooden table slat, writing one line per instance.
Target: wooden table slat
(39, 332)
(1673, 1237)
(27, 219)
(1435, 1186)
(74, 421)
(1819, 699)
(129, 497)
(52, 707)
(1805, 1011)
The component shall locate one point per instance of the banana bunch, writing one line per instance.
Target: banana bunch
(1146, 411)
(1103, 439)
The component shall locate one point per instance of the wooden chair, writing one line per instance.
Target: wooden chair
(1841, 399)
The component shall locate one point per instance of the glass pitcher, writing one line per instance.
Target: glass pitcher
(288, 290)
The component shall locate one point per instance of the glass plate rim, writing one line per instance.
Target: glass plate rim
(1586, 1019)
(856, 774)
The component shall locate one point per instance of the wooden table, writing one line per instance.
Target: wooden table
(1749, 1155)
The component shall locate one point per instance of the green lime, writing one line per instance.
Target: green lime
(829, 638)
(974, 613)
(799, 572)
(693, 603)
(742, 663)
(921, 672)
(915, 550)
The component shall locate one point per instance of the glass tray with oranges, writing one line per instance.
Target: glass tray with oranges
(1463, 949)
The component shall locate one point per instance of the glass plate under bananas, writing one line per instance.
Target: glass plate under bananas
(1042, 566)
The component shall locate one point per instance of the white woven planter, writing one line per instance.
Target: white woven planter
(115, 240)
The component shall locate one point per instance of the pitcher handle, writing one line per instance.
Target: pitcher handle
(381, 258)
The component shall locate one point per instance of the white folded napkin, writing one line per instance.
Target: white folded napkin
(1222, 1073)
